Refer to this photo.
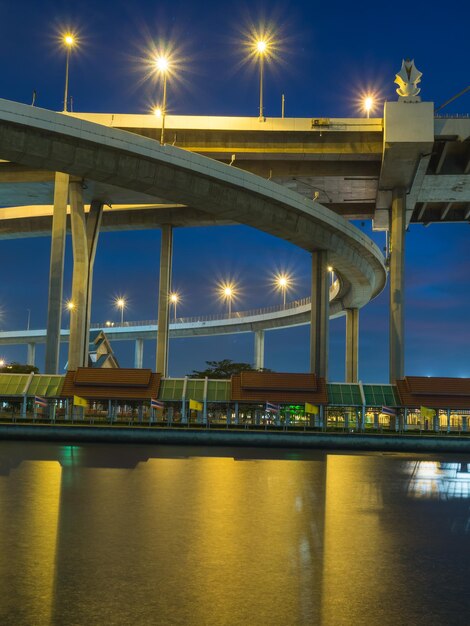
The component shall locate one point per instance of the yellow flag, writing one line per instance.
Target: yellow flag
(195, 406)
(425, 412)
(311, 408)
(77, 401)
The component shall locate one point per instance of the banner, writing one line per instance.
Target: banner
(77, 401)
(158, 405)
(272, 407)
(194, 405)
(311, 408)
(387, 410)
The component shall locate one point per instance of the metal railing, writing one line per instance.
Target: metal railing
(235, 315)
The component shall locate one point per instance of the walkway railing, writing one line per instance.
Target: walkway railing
(295, 304)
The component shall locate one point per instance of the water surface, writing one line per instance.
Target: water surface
(143, 535)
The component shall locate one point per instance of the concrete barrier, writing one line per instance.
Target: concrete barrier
(167, 436)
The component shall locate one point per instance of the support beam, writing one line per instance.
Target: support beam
(139, 353)
(397, 285)
(56, 272)
(31, 358)
(445, 211)
(166, 254)
(85, 230)
(442, 157)
(319, 321)
(259, 349)
(352, 346)
(422, 211)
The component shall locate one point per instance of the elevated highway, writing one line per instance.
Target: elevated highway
(295, 313)
(405, 167)
(87, 154)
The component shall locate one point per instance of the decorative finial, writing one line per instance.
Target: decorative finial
(407, 80)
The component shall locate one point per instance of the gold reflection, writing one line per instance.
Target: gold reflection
(355, 538)
(28, 536)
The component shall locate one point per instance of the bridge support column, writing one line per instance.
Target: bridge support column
(319, 321)
(163, 331)
(352, 346)
(259, 349)
(85, 231)
(31, 354)
(139, 353)
(56, 272)
(397, 285)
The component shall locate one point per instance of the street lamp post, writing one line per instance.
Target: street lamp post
(282, 283)
(69, 41)
(368, 105)
(70, 307)
(162, 65)
(174, 297)
(228, 293)
(29, 318)
(261, 50)
(121, 304)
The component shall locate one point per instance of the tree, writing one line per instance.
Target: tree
(224, 369)
(18, 368)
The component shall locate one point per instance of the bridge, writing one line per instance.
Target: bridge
(298, 179)
(257, 321)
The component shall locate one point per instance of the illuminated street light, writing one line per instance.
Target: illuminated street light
(228, 293)
(70, 305)
(2, 362)
(261, 50)
(368, 104)
(121, 303)
(162, 64)
(157, 111)
(282, 282)
(68, 41)
(174, 299)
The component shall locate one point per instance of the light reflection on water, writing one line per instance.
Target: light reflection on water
(143, 535)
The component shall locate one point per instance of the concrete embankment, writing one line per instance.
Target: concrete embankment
(245, 438)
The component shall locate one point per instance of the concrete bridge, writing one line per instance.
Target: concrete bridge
(257, 321)
(298, 179)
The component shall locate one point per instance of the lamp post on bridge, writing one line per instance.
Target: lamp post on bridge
(69, 42)
(174, 299)
(162, 64)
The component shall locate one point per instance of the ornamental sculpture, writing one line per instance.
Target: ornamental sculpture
(407, 80)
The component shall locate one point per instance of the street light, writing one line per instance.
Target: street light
(162, 65)
(368, 104)
(228, 293)
(121, 303)
(174, 299)
(282, 283)
(68, 41)
(2, 362)
(261, 50)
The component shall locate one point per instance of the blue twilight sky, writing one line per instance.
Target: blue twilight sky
(328, 55)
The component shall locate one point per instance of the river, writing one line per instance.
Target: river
(142, 535)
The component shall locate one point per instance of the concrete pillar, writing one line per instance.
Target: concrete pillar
(397, 285)
(85, 230)
(259, 349)
(319, 321)
(352, 346)
(163, 300)
(31, 354)
(56, 272)
(139, 353)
